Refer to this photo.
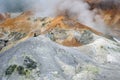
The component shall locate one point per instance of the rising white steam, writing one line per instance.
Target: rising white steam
(78, 9)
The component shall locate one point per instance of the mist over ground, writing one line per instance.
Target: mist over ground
(77, 9)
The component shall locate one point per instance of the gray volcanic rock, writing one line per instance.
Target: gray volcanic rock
(39, 58)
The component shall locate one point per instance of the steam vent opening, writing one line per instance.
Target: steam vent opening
(59, 40)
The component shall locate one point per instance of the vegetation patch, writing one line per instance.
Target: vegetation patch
(10, 69)
(28, 63)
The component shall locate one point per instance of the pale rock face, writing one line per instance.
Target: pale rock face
(39, 58)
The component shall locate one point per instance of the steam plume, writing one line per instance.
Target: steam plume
(78, 9)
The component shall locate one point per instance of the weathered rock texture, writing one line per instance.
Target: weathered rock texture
(56, 49)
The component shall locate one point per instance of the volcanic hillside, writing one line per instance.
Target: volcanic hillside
(110, 13)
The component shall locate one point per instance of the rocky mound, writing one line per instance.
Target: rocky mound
(40, 58)
(56, 49)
